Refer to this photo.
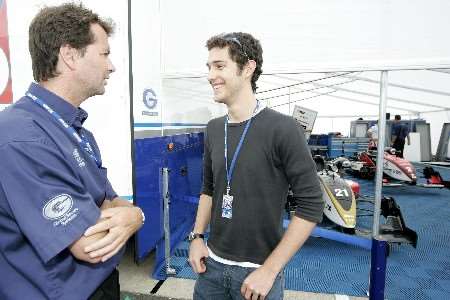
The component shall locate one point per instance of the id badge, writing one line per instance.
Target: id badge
(227, 206)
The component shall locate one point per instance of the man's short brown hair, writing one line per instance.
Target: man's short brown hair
(56, 26)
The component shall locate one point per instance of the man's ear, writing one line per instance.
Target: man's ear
(68, 56)
(250, 68)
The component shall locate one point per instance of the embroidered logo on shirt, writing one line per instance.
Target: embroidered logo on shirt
(59, 209)
(80, 161)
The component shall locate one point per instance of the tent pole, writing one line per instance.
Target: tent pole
(379, 246)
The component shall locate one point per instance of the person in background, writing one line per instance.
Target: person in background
(252, 155)
(399, 133)
(62, 225)
(372, 133)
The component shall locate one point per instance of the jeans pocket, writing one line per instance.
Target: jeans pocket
(280, 275)
(207, 260)
(277, 290)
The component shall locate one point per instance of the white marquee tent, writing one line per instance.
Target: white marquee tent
(302, 40)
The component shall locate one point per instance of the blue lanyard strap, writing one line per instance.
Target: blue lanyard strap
(238, 148)
(82, 141)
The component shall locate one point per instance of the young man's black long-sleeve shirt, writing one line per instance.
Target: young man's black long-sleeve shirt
(273, 156)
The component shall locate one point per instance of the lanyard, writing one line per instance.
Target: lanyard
(82, 141)
(238, 148)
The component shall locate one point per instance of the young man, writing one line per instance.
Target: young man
(399, 132)
(252, 156)
(62, 225)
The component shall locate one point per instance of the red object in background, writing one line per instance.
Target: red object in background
(354, 186)
(6, 96)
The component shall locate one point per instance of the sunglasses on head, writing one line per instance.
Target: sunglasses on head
(231, 38)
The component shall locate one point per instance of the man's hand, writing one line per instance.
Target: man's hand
(120, 223)
(77, 248)
(258, 284)
(197, 254)
(106, 204)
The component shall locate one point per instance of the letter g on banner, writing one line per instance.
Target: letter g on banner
(5, 72)
(150, 99)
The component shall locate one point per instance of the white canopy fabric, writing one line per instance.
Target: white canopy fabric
(309, 35)
(323, 55)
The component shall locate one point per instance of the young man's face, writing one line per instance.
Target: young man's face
(95, 66)
(224, 75)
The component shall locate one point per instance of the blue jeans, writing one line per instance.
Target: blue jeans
(223, 282)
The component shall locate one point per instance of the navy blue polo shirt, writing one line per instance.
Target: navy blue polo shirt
(50, 193)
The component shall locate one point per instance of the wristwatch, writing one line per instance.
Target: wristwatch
(192, 236)
(142, 214)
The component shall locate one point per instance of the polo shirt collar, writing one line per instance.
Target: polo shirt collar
(73, 116)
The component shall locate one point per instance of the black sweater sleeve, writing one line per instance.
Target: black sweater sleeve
(300, 171)
(207, 186)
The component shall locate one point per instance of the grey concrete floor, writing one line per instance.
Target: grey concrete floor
(136, 284)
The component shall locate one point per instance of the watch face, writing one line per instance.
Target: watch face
(192, 236)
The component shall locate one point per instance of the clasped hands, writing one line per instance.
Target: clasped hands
(115, 227)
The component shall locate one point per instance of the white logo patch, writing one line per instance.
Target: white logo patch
(59, 209)
(80, 161)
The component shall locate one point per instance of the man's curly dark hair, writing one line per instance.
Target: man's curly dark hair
(56, 26)
(242, 47)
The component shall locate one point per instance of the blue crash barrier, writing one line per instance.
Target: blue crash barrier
(182, 155)
(330, 234)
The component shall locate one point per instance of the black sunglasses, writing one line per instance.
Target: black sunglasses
(231, 38)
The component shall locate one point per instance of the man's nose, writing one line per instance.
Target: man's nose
(211, 75)
(111, 68)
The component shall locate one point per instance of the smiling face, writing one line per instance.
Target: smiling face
(224, 75)
(94, 66)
